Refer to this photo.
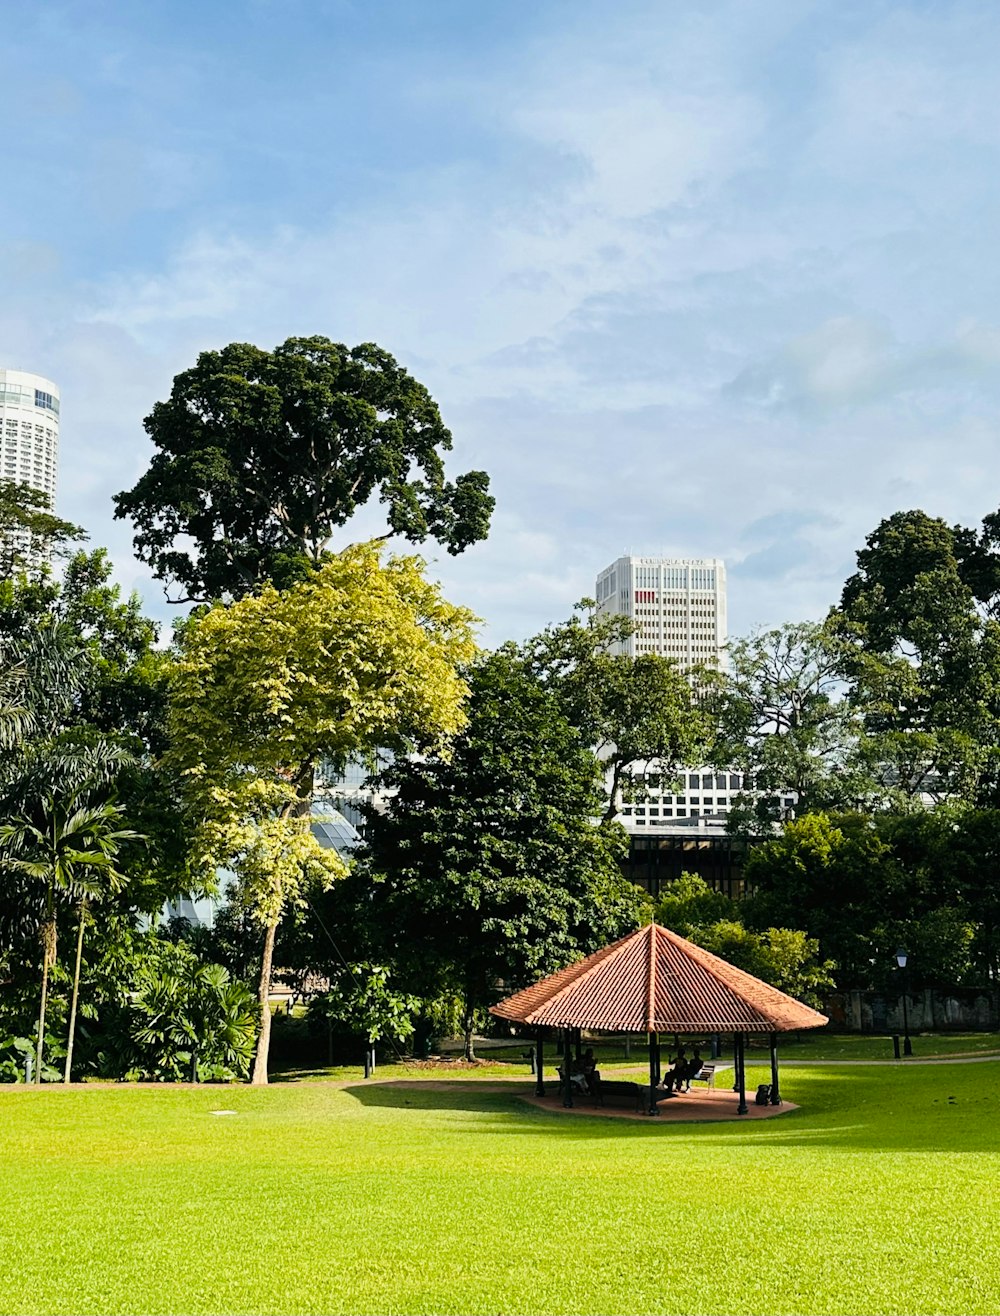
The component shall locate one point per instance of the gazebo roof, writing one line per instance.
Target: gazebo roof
(655, 981)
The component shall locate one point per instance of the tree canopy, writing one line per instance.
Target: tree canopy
(262, 456)
(29, 530)
(641, 715)
(783, 718)
(488, 864)
(921, 650)
(359, 656)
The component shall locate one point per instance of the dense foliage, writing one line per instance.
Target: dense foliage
(262, 456)
(487, 865)
(132, 775)
(360, 655)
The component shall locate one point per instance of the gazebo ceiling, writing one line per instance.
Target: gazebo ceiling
(655, 981)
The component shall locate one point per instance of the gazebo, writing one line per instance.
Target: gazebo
(653, 982)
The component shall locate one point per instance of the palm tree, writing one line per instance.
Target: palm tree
(72, 850)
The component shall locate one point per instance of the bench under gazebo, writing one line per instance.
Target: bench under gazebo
(654, 982)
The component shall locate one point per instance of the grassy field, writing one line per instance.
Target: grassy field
(875, 1197)
(507, 1061)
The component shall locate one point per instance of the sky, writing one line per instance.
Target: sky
(691, 278)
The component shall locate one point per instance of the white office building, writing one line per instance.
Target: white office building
(29, 431)
(678, 606)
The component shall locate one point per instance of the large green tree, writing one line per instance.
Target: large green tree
(921, 650)
(263, 456)
(831, 875)
(785, 722)
(488, 865)
(95, 685)
(865, 884)
(641, 715)
(360, 655)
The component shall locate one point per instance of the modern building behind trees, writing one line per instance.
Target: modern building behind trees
(29, 431)
(29, 441)
(678, 606)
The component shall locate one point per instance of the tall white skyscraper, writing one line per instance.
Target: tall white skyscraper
(678, 606)
(29, 430)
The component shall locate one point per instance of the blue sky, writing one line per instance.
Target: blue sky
(694, 278)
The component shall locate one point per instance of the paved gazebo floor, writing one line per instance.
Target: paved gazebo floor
(689, 1107)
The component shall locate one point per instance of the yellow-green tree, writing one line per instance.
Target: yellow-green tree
(363, 654)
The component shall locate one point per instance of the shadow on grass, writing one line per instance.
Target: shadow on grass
(950, 1109)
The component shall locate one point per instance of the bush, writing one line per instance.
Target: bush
(185, 1021)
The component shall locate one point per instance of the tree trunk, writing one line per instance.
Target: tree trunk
(305, 781)
(48, 935)
(264, 1036)
(301, 808)
(612, 807)
(76, 992)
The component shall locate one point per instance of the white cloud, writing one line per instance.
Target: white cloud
(709, 275)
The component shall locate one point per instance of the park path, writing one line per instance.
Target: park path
(791, 1062)
(910, 1060)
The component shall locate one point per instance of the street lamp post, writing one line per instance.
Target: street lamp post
(901, 958)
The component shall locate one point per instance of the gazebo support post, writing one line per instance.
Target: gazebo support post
(578, 1044)
(775, 1093)
(654, 1065)
(742, 1108)
(567, 1068)
(539, 1065)
(736, 1062)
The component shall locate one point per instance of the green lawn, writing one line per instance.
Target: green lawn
(877, 1196)
(509, 1060)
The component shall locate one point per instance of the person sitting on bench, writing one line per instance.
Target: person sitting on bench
(676, 1072)
(578, 1076)
(692, 1070)
(591, 1073)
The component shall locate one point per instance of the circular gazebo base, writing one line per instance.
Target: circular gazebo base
(689, 1108)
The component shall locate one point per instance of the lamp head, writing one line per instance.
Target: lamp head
(901, 958)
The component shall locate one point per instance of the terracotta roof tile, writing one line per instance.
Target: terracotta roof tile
(655, 981)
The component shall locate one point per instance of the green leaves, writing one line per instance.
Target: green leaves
(73, 849)
(922, 654)
(263, 456)
(360, 655)
(186, 1019)
(29, 531)
(784, 719)
(489, 865)
(641, 715)
(363, 998)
